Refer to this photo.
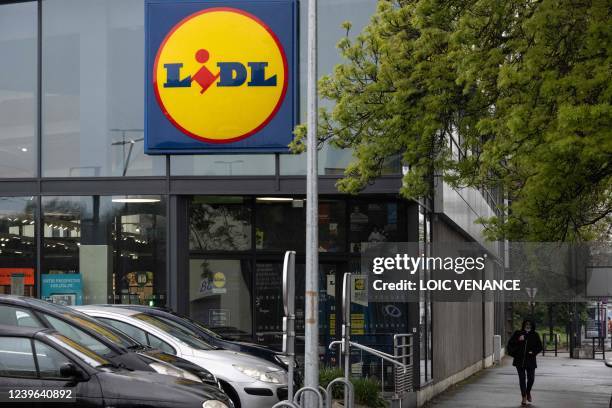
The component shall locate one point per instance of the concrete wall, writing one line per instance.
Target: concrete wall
(462, 332)
(457, 327)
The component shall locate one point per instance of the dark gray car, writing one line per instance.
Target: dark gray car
(41, 367)
(99, 337)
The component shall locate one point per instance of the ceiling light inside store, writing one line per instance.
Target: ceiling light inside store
(24, 149)
(274, 199)
(135, 200)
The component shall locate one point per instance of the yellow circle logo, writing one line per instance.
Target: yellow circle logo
(220, 75)
(219, 280)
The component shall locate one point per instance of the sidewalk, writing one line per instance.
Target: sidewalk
(560, 383)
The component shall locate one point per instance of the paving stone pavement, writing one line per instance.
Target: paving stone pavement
(560, 383)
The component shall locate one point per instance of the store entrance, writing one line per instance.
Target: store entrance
(269, 305)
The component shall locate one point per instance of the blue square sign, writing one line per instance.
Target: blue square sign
(220, 76)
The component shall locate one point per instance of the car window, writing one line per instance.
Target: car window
(49, 360)
(205, 329)
(110, 333)
(160, 344)
(84, 354)
(79, 336)
(134, 332)
(16, 358)
(17, 316)
(174, 331)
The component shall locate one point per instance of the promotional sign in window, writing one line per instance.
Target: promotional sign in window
(220, 76)
(63, 289)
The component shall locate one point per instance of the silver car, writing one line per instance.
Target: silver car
(249, 381)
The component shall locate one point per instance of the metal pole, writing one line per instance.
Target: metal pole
(311, 352)
(289, 319)
(346, 329)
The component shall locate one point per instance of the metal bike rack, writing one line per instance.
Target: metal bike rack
(289, 404)
(304, 390)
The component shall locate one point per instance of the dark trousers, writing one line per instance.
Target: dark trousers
(526, 385)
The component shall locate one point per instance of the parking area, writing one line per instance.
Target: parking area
(560, 383)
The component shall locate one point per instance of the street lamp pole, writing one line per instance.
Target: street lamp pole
(311, 352)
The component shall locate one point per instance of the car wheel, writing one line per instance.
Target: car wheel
(231, 393)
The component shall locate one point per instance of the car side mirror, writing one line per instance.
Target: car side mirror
(70, 371)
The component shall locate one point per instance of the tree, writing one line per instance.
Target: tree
(524, 87)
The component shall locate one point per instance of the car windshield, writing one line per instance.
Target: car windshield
(110, 333)
(204, 328)
(82, 319)
(175, 331)
(88, 356)
(181, 324)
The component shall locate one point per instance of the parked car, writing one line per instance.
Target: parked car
(212, 336)
(249, 381)
(44, 360)
(103, 339)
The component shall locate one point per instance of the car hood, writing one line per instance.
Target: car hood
(255, 346)
(172, 359)
(236, 358)
(151, 386)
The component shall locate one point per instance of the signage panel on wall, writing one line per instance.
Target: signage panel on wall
(6, 274)
(220, 76)
(64, 289)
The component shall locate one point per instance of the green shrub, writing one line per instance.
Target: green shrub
(367, 390)
(327, 375)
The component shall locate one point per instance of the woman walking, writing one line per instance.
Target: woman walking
(524, 345)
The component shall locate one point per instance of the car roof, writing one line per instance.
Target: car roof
(25, 301)
(19, 331)
(13, 299)
(115, 310)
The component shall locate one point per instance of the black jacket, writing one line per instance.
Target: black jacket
(524, 352)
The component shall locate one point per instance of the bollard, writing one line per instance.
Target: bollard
(497, 349)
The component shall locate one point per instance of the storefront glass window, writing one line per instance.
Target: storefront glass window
(220, 295)
(223, 165)
(17, 246)
(332, 14)
(332, 226)
(18, 65)
(374, 222)
(93, 91)
(103, 249)
(220, 223)
(281, 225)
(269, 304)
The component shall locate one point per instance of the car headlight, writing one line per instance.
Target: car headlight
(174, 371)
(208, 377)
(214, 404)
(274, 377)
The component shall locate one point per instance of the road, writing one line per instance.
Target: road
(560, 383)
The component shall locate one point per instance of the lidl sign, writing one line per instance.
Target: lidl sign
(220, 76)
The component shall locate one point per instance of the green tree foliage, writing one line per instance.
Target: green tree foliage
(524, 86)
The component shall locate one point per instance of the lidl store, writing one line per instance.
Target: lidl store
(86, 216)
